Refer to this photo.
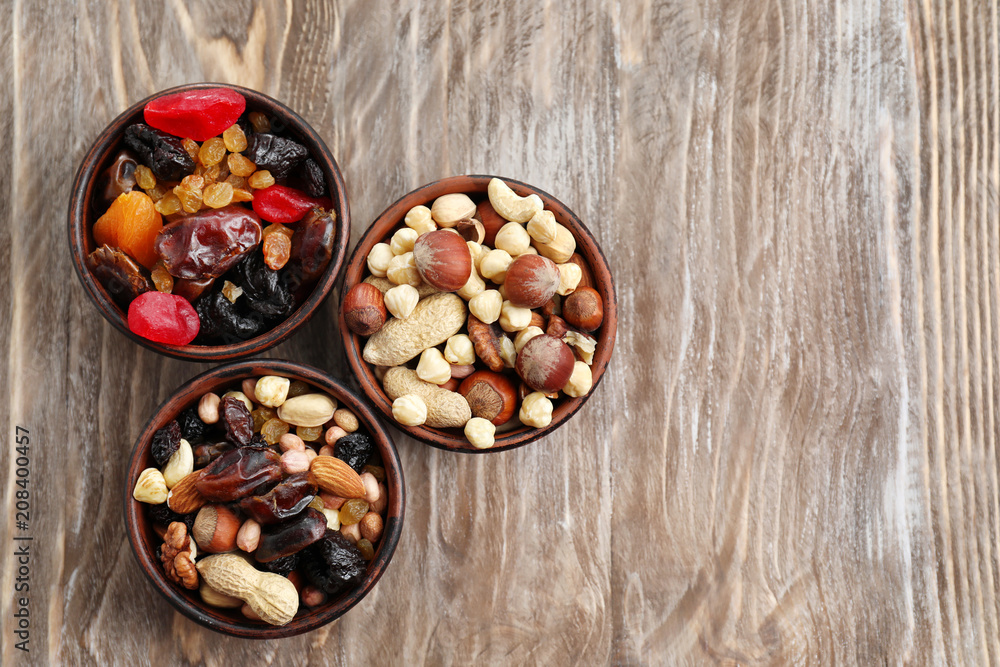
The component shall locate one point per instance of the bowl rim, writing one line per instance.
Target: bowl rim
(586, 245)
(79, 230)
(138, 530)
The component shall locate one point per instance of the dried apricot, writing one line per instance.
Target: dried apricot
(131, 225)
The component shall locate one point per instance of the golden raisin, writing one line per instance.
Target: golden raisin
(144, 177)
(157, 192)
(212, 151)
(272, 430)
(242, 194)
(261, 179)
(168, 204)
(189, 192)
(260, 416)
(209, 174)
(235, 140)
(277, 250)
(231, 291)
(237, 182)
(279, 228)
(352, 511)
(162, 280)
(191, 146)
(218, 195)
(317, 504)
(309, 433)
(239, 165)
(366, 549)
(297, 388)
(259, 122)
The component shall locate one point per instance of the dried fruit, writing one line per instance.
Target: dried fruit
(144, 177)
(206, 245)
(193, 429)
(239, 424)
(312, 245)
(277, 249)
(235, 139)
(333, 563)
(278, 155)
(166, 441)
(280, 203)
(162, 280)
(355, 449)
(313, 181)
(131, 224)
(261, 415)
(198, 114)
(116, 180)
(162, 153)
(224, 321)
(121, 276)
(290, 536)
(218, 195)
(283, 565)
(352, 511)
(164, 516)
(163, 318)
(263, 287)
(272, 430)
(284, 501)
(212, 152)
(240, 166)
(366, 549)
(237, 473)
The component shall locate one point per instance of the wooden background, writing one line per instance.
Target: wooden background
(794, 456)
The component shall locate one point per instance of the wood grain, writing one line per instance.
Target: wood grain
(793, 458)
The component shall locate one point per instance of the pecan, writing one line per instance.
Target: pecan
(486, 338)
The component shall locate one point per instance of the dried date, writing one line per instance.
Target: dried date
(208, 243)
(237, 473)
(239, 423)
(286, 538)
(282, 502)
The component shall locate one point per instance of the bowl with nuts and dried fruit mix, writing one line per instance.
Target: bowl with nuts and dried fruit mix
(264, 499)
(208, 222)
(478, 314)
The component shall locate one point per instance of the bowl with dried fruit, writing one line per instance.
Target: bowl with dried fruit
(264, 499)
(479, 313)
(208, 222)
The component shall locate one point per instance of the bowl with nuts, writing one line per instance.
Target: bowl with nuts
(208, 222)
(264, 499)
(479, 313)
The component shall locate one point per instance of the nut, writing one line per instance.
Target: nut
(177, 555)
(513, 238)
(561, 249)
(536, 410)
(419, 219)
(580, 382)
(351, 532)
(248, 389)
(433, 367)
(553, 307)
(514, 318)
(364, 311)
(570, 275)
(582, 344)
(545, 363)
(490, 395)
(509, 205)
(584, 309)
(480, 433)
(403, 270)
(333, 434)
(542, 227)
(486, 339)
(330, 501)
(508, 352)
(434, 320)
(492, 222)
(346, 420)
(459, 372)
(312, 596)
(208, 408)
(524, 335)
(486, 305)
(295, 461)
(248, 536)
(371, 487)
(289, 442)
(332, 519)
(271, 596)
(382, 500)
(586, 277)
(334, 476)
(471, 230)
(384, 285)
(180, 464)
(409, 410)
(371, 526)
(307, 410)
(443, 260)
(537, 320)
(214, 598)
(494, 265)
(402, 241)
(448, 210)
(459, 350)
(401, 300)
(531, 281)
(473, 286)
(240, 396)
(556, 326)
(215, 529)
(150, 487)
(378, 259)
(477, 252)
(445, 409)
(184, 498)
(272, 390)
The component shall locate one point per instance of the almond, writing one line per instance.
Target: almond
(334, 476)
(184, 497)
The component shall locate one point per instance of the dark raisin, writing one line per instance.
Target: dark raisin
(258, 440)
(159, 151)
(224, 322)
(310, 178)
(192, 427)
(166, 441)
(354, 449)
(164, 516)
(333, 564)
(283, 565)
(205, 454)
(263, 287)
(277, 155)
(239, 423)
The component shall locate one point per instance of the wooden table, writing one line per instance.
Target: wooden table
(793, 458)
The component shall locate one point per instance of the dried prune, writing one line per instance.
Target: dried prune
(237, 473)
(193, 429)
(263, 287)
(239, 423)
(282, 502)
(283, 565)
(207, 244)
(116, 180)
(224, 321)
(333, 564)
(205, 454)
(198, 114)
(354, 449)
(121, 275)
(291, 536)
(166, 441)
(312, 245)
(311, 178)
(279, 155)
(159, 151)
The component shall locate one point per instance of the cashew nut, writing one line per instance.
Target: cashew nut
(509, 205)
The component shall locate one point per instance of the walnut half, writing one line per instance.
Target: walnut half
(177, 556)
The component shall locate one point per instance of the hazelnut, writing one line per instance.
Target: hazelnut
(584, 309)
(491, 396)
(448, 210)
(536, 410)
(494, 265)
(480, 433)
(513, 238)
(556, 327)
(508, 352)
(433, 367)
(459, 350)
(419, 219)
(569, 278)
(471, 230)
(473, 286)
(477, 251)
(401, 300)
(514, 318)
(531, 281)
(583, 345)
(492, 222)
(402, 241)
(272, 390)
(378, 259)
(486, 305)
(545, 363)
(443, 260)
(524, 335)
(580, 382)
(150, 487)
(409, 410)
(403, 270)
(215, 529)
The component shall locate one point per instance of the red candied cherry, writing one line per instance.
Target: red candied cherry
(163, 318)
(195, 114)
(280, 203)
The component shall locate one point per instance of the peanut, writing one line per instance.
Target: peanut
(433, 321)
(445, 409)
(270, 596)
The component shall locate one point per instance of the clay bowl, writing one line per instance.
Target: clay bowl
(82, 216)
(145, 541)
(476, 187)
